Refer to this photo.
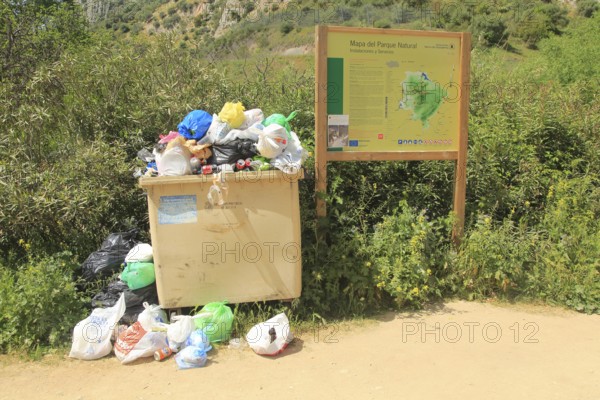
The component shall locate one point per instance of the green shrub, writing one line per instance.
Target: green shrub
(383, 23)
(488, 30)
(411, 256)
(569, 270)
(495, 260)
(573, 57)
(171, 21)
(587, 8)
(39, 305)
(286, 27)
(199, 21)
(541, 22)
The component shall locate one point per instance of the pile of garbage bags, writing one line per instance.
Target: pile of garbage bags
(122, 266)
(233, 140)
(187, 338)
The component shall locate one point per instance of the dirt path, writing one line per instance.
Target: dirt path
(480, 351)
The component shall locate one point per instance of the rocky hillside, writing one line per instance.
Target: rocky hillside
(287, 26)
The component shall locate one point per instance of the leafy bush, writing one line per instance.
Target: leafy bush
(39, 305)
(495, 259)
(540, 22)
(171, 21)
(587, 8)
(573, 56)
(556, 261)
(488, 30)
(411, 256)
(569, 270)
(382, 23)
(286, 27)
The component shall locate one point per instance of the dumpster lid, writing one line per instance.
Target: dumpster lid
(240, 176)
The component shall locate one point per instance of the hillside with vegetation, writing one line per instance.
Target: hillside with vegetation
(83, 89)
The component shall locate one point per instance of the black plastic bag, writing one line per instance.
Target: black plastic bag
(134, 299)
(134, 302)
(229, 153)
(110, 295)
(108, 259)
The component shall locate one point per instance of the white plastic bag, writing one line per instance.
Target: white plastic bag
(191, 357)
(140, 253)
(252, 117)
(179, 331)
(174, 162)
(272, 141)
(136, 343)
(250, 133)
(152, 317)
(271, 337)
(216, 131)
(139, 340)
(91, 337)
(292, 157)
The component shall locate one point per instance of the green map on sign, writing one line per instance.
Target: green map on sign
(422, 96)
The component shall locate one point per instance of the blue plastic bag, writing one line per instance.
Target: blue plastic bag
(195, 125)
(191, 357)
(198, 339)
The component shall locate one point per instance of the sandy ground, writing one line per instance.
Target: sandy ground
(458, 350)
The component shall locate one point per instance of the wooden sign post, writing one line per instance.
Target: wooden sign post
(392, 95)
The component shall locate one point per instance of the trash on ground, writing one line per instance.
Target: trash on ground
(139, 340)
(218, 323)
(108, 259)
(271, 337)
(191, 357)
(91, 337)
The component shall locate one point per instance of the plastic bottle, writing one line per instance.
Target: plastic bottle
(195, 164)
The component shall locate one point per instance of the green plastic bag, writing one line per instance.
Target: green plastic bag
(218, 326)
(282, 120)
(138, 275)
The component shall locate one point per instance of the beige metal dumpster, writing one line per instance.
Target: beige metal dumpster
(247, 249)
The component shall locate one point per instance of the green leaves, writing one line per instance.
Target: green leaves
(39, 304)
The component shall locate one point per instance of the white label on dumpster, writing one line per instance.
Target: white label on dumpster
(177, 210)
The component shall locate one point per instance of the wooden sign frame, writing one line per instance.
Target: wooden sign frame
(323, 156)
